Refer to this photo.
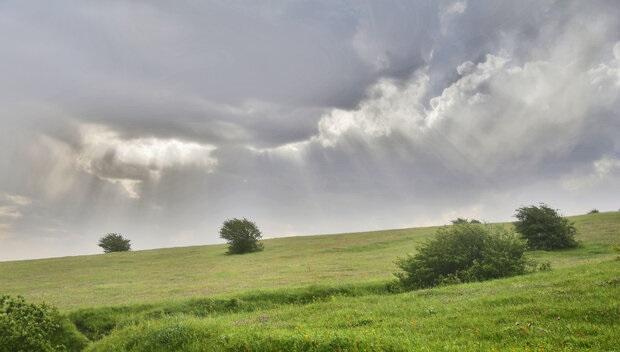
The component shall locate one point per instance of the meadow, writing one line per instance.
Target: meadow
(329, 293)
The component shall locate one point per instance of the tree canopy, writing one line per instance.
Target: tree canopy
(544, 228)
(114, 242)
(242, 236)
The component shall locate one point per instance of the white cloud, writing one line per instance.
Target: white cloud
(10, 212)
(496, 115)
(14, 199)
(448, 12)
(128, 162)
(11, 206)
(389, 108)
(605, 77)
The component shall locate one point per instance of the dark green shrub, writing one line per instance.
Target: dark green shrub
(114, 242)
(543, 228)
(465, 221)
(242, 235)
(463, 253)
(593, 211)
(35, 327)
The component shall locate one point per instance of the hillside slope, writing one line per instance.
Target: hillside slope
(294, 262)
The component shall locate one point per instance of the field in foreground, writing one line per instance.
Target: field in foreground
(328, 293)
(565, 310)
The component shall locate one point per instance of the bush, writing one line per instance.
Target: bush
(464, 252)
(114, 242)
(543, 228)
(35, 327)
(242, 235)
(593, 211)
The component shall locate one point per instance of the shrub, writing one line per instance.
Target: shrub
(242, 235)
(114, 242)
(544, 228)
(35, 327)
(593, 211)
(464, 252)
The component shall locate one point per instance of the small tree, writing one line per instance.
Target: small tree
(544, 228)
(114, 242)
(464, 252)
(242, 236)
(458, 221)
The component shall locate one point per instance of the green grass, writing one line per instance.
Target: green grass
(480, 316)
(325, 293)
(174, 273)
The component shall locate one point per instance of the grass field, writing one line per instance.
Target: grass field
(174, 273)
(325, 293)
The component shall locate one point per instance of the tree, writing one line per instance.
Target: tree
(544, 228)
(242, 236)
(464, 221)
(114, 242)
(464, 252)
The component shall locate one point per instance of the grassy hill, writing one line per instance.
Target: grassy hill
(323, 293)
(174, 273)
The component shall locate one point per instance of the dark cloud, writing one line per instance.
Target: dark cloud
(161, 120)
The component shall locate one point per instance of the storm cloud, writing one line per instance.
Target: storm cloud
(161, 120)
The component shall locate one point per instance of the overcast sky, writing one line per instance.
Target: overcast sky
(161, 119)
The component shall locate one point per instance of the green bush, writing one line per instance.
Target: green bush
(464, 221)
(242, 235)
(35, 327)
(114, 242)
(464, 252)
(543, 228)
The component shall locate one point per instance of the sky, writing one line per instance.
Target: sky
(159, 120)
